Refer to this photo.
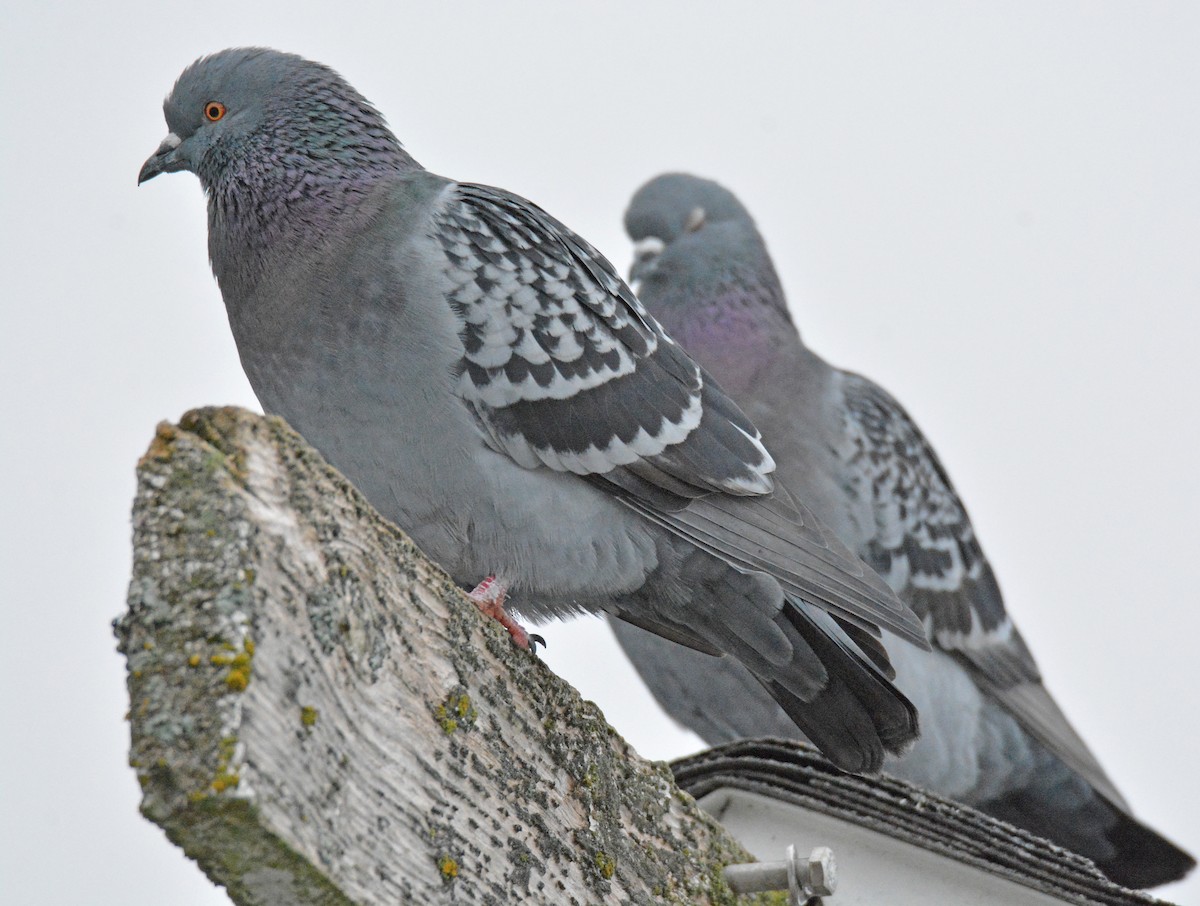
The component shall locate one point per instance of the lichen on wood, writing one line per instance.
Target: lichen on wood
(318, 715)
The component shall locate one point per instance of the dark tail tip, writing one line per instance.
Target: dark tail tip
(1144, 857)
(1127, 851)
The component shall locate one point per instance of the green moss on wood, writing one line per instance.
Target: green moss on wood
(232, 847)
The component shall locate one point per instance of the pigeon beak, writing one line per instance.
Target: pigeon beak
(164, 160)
(645, 257)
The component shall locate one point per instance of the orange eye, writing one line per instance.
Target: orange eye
(213, 111)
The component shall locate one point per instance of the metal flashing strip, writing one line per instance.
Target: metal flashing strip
(793, 772)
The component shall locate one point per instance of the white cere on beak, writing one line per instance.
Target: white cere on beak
(170, 143)
(650, 247)
(695, 220)
(645, 259)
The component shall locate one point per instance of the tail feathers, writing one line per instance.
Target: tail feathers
(1058, 805)
(859, 716)
(870, 645)
(1144, 857)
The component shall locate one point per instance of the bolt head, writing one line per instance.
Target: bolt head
(822, 872)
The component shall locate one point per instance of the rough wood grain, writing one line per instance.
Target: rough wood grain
(319, 716)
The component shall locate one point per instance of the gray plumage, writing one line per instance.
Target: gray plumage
(492, 385)
(992, 735)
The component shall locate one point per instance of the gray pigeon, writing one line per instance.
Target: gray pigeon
(992, 735)
(491, 384)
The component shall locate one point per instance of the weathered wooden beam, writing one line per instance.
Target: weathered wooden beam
(318, 715)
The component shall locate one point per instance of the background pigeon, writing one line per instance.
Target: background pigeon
(992, 736)
(492, 385)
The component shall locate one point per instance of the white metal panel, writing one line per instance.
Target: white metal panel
(872, 868)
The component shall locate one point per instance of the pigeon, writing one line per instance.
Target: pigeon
(992, 736)
(490, 383)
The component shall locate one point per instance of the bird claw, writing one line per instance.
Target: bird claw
(489, 596)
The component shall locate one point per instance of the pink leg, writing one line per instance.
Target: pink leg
(489, 596)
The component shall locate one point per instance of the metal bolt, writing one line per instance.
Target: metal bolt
(815, 876)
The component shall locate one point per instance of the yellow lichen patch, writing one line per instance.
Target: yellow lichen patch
(606, 864)
(308, 716)
(161, 447)
(448, 723)
(226, 777)
(455, 709)
(238, 677)
(194, 660)
(448, 867)
(216, 427)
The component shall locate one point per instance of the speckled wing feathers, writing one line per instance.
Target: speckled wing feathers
(538, 325)
(924, 544)
(564, 368)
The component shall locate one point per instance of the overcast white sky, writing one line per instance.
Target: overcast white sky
(991, 208)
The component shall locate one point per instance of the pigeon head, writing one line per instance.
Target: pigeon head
(702, 269)
(673, 206)
(693, 241)
(255, 115)
(284, 148)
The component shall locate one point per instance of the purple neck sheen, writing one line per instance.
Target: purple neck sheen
(734, 338)
(293, 185)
